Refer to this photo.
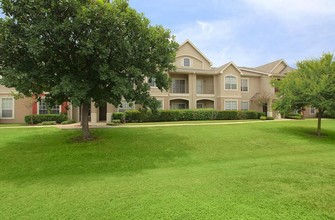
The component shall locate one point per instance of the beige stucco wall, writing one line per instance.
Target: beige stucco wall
(279, 68)
(254, 87)
(197, 60)
(22, 107)
(265, 85)
(208, 83)
(234, 94)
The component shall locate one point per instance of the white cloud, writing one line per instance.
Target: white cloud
(302, 11)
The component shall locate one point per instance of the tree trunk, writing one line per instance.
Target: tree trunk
(84, 121)
(318, 131)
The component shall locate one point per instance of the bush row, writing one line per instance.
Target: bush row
(293, 116)
(36, 119)
(183, 115)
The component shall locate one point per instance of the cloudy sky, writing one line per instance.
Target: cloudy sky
(248, 32)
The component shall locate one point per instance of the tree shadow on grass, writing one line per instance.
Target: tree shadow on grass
(310, 133)
(115, 151)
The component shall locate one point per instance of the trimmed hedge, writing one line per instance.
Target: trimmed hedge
(184, 115)
(118, 116)
(294, 116)
(59, 118)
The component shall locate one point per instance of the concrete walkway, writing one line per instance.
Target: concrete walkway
(144, 125)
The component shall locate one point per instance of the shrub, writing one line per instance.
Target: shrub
(228, 115)
(184, 115)
(133, 116)
(251, 114)
(294, 116)
(68, 122)
(36, 119)
(118, 115)
(205, 114)
(269, 118)
(48, 123)
(116, 121)
(262, 117)
(261, 114)
(170, 115)
(328, 114)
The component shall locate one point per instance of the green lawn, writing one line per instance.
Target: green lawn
(275, 170)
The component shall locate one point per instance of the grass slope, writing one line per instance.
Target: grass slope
(275, 170)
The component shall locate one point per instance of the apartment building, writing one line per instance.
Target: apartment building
(195, 84)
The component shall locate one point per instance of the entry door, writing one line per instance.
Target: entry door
(102, 113)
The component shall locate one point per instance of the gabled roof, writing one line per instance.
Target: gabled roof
(188, 41)
(252, 70)
(270, 67)
(225, 66)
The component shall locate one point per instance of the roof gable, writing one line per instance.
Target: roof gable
(222, 68)
(188, 42)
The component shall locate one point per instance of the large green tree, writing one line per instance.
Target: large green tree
(82, 51)
(311, 84)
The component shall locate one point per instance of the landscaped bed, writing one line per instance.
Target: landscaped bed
(276, 170)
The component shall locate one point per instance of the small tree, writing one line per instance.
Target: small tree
(83, 51)
(311, 84)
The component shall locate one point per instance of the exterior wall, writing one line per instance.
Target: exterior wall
(279, 68)
(21, 109)
(208, 83)
(225, 93)
(197, 59)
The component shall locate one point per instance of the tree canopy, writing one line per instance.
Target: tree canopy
(311, 84)
(82, 51)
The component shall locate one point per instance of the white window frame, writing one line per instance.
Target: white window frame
(127, 107)
(225, 84)
(183, 62)
(247, 104)
(13, 107)
(38, 108)
(247, 84)
(230, 100)
(312, 112)
(180, 79)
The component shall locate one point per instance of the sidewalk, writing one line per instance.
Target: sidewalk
(140, 125)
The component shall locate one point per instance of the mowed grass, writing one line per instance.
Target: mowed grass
(270, 170)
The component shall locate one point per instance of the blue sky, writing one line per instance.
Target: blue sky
(248, 32)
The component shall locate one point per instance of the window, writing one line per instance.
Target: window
(230, 83)
(312, 110)
(178, 86)
(200, 86)
(200, 105)
(178, 106)
(244, 106)
(230, 105)
(44, 109)
(7, 108)
(152, 82)
(244, 85)
(187, 62)
(125, 106)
